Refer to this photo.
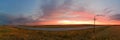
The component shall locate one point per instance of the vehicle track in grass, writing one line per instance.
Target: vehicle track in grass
(57, 29)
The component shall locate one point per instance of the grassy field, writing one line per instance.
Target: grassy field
(114, 32)
(58, 26)
(12, 33)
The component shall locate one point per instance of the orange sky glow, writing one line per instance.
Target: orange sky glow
(77, 18)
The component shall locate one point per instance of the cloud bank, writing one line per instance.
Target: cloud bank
(63, 9)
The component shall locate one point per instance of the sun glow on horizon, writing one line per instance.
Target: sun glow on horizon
(74, 22)
(69, 22)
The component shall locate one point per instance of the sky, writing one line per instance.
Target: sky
(39, 12)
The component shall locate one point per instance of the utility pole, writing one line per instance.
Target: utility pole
(94, 30)
(94, 23)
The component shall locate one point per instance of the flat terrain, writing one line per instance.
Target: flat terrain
(14, 33)
(115, 32)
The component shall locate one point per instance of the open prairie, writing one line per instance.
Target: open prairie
(101, 33)
(114, 32)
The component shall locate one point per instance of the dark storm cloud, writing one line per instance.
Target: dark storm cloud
(5, 19)
(21, 20)
(9, 19)
(49, 6)
(115, 17)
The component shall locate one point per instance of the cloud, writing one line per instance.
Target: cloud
(46, 7)
(5, 19)
(59, 9)
(115, 17)
(14, 20)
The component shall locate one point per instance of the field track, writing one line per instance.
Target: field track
(57, 29)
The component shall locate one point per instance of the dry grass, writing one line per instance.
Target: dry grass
(114, 32)
(11, 33)
(59, 26)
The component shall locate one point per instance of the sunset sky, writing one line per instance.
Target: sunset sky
(50, 12)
